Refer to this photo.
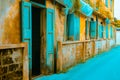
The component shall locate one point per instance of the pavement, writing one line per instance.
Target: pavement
(105, 66)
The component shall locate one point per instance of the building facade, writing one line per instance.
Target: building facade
(57, 38)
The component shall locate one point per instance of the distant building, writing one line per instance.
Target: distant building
(117, 36)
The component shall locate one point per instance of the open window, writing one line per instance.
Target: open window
(92, 29)
(73, 27)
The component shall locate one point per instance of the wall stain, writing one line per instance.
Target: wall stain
(11, 21)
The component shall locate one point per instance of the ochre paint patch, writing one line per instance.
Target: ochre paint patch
(11, 24)
(82, 28)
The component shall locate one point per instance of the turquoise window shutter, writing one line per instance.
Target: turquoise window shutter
(73, 23)
(77, 28)
(100, 31)
(106, 31)
(27, 28)
(50, 39)
(106, 3)
(93, 29)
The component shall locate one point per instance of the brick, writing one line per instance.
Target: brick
(19, 73)
(5, 77)
(13, 67)
(0, 70)
(12, 76)
(4, 53)
(3, 70)
(21, 65)
(7, 60)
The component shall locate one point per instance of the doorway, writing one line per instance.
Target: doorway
(35, 41)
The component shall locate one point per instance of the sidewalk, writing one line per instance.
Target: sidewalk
(105, 66)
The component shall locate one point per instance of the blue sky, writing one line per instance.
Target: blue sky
(117, 9)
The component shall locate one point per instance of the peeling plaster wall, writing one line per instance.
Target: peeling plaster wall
(69, 55)
(72, 53)
(59, 20)
(10, 21)
(59, 25)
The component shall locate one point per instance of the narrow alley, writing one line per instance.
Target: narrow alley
(104, 66)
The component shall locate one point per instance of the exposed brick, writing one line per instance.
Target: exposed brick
(4, 52)
(0, 70)
(4, 70)
(13, 67)
(21, 65)
(7, 60)
(5, 77)
(19, 73)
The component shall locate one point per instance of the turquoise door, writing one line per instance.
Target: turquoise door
(50, 39)
(27, 29)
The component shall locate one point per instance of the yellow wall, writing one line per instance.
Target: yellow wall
(82, 27)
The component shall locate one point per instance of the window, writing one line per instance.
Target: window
(92, 29)
(101, 30)
(73, 27)
(111, 5)
(106, 3)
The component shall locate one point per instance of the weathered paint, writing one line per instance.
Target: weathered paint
(69, 52)
(100, 31)
(82, 27)
(49, 4)
(86, 9)
(69, 55)
(92, 29)
(73, 27)
(106, 3)
(10, 21)
(27, 29)
(50, 39)
(18, 54)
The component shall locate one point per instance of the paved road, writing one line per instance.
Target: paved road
(105, 66)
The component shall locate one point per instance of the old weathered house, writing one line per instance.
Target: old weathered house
(57, 38)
